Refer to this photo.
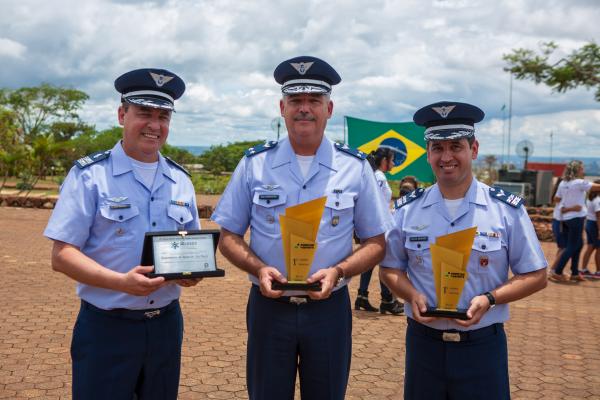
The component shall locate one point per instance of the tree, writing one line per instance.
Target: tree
(225, 158)
(37, 108)
(580, 68)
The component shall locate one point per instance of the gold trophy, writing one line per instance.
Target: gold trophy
(449, 259)
(299, 230)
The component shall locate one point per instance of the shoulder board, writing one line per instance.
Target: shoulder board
(408, 198)
(507, 197)
(349, 150)
(178, 166)
(92, 159)
(252, 151)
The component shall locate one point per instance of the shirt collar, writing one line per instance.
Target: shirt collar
(121, 162)
(475, 194)
(324, 156)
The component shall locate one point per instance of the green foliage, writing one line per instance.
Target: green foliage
(37, 108)
(180, 156)
(223, 158)
(580, 68)
(209, 183)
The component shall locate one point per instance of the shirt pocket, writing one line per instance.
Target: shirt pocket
(120, 224)
(487, 253)
(338, 215)
(419, 255)
(266, 207)
(180, 215)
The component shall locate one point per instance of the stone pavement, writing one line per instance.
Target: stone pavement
(554, 349)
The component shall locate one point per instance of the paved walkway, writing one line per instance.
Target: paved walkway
(554, 335)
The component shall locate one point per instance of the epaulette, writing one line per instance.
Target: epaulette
(352, 151)
(92, 159)
(178, 166)
(507, 197)
(252, 151)
(408, 198)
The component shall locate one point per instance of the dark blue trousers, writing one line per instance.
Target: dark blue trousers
(475, 368)
(313, 339)
(574, 228)
(363, 287)
(126, 355)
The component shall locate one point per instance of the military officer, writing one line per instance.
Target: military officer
(290, 330)
(128, 334)
(451, 358)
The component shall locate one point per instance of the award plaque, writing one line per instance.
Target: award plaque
(449, 259)
(299, 230)
(182, 254)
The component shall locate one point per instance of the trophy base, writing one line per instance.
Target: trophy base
(190, 275)
(296, 285)
(460, 313)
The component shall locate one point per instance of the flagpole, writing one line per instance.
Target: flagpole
(509, 117)
(503, 134)
(345, 134)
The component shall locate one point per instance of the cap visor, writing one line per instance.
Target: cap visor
(151, 102)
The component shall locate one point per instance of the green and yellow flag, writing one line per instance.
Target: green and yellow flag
(406, 138)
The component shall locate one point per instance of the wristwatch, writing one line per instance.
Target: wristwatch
(490, 298)
(341, 276)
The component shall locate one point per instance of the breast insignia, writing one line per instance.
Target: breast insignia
(252, 151)
(507, 197)
(349, 150)
(92, 159)
(408, 198)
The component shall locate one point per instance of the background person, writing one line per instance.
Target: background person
(572, 193)
(592, 224)
(446, 358)
(382, 161)
(296, 332)
(128, 334)
(408, 184)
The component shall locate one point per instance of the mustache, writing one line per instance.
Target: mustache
(304, 117)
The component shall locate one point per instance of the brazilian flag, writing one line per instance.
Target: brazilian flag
(405, 138)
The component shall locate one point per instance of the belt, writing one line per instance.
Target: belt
(138, 315)
(298, 300)
(454, 335)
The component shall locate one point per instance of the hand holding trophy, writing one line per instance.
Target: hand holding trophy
(299, 230)
(449, 259)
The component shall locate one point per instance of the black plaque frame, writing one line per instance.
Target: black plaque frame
(315, 286)
(460, 313)
(148, 254)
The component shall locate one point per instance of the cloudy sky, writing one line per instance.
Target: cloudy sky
(393, 56)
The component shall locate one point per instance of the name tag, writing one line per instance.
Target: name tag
(119, 206)
(488, 234)
(418, 238)
(268, 196)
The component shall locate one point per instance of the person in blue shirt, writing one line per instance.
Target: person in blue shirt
(128, 334)
(452, 358)
(292, 332)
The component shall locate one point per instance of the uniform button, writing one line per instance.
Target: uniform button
(180, 219)
(483, 246)
(451, 223)
(152, 198)
(303, 186)
(418, 245)
(268, 201)
(151, 301)
(120, 217)
(337, 203)
(154, 224)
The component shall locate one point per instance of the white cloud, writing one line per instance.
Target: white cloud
(10, 48)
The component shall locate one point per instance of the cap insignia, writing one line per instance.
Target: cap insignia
(443, 111)
(160, 80)
(302, 67)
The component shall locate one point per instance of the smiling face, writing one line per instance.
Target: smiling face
(451, 162)
(145, 130)
(306, 117)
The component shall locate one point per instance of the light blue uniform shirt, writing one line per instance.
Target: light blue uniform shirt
(104, 209)
(263, 185)
(506, 237)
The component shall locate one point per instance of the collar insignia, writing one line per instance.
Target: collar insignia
(160, 80)
(302, 67)
(443, 111)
